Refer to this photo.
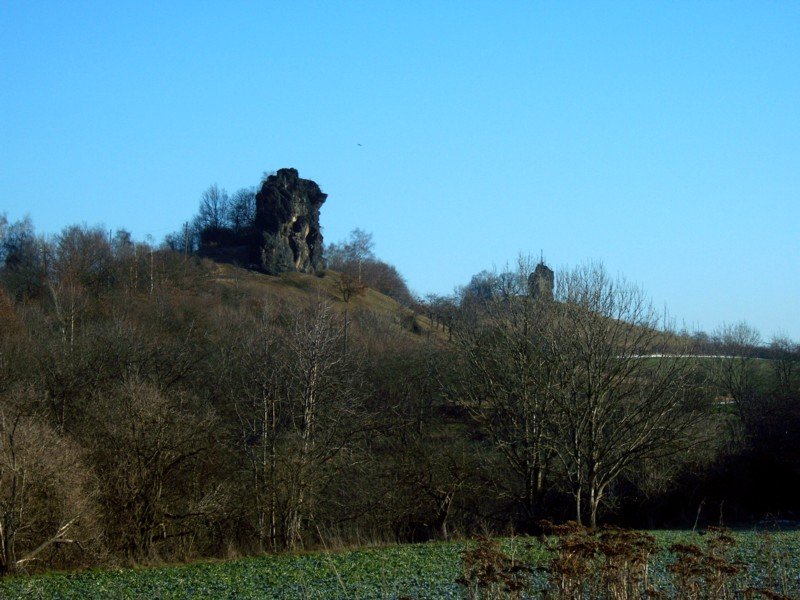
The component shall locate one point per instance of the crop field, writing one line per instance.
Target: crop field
(401, 572)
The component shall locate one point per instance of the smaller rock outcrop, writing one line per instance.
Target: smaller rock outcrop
(287, 231)
(541, 282)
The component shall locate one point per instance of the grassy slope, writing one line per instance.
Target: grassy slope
(410, 571)
(300, 289)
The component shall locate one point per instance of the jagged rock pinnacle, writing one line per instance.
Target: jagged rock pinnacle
(288, 235)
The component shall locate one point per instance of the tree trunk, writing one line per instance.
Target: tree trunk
(578, 493)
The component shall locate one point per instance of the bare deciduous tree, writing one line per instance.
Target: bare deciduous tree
(785, 355)
(242, 210)
(301, 408)
(349, 255)
(214, 208)
(326, 411)
(735, 371)
(615, 403)
(47, 498)
(258, 404)
(22, 268)
(503, 379)
(348, 286)
(147, 478)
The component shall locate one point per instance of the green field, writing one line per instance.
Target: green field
(409, 571)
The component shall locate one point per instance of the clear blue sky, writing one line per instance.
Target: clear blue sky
(661, 138)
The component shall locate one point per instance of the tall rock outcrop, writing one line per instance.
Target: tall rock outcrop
(288, 236)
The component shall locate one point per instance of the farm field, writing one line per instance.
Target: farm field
(407, 571)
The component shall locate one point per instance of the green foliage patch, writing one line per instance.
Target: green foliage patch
(411, 571)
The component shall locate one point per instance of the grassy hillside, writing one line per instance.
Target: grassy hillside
(300, 288)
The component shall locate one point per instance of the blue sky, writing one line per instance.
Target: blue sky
(661, 138)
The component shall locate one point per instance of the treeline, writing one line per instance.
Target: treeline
(222, 219)
(151, 412)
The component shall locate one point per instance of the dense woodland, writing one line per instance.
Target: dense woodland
(159, 406)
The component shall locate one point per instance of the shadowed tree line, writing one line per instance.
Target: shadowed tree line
(148, 412)
(222, 219)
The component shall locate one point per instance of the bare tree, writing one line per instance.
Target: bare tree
(441, 311)
(259, 407)
(22, 265)
(148, 480)
(615, 404)
(348, 286)
(47, 497)
(350, 255)
(324, 412)
(385, 278)
(214, 208)
(428, 475)
(736, 373)
(301, 409)
(84, 256)
(503, 379)
(242, 210)
(785, 355)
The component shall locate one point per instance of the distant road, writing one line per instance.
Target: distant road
(695, 356)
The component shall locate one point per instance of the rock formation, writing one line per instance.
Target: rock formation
(288, 236)
(541, 282)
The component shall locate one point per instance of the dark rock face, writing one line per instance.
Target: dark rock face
(541, 282)
(288, 236)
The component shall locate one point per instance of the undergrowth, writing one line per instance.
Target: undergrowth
(619, 564)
